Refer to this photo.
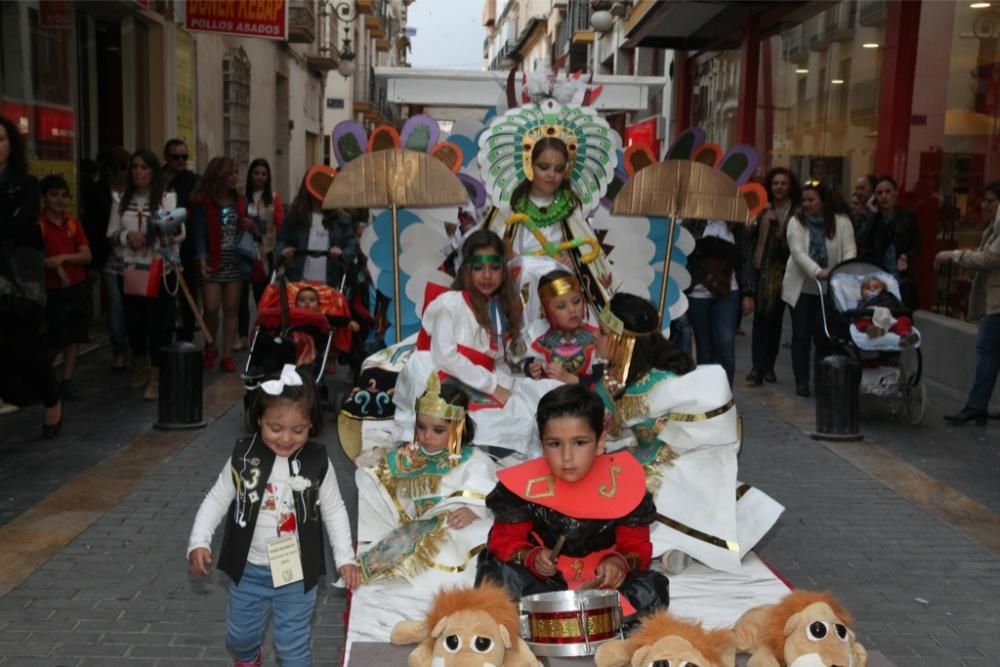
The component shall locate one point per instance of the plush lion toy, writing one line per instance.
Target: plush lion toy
(467, 627)
(805, 629)
(665, 639)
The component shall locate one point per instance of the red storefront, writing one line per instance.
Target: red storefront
(837, 90)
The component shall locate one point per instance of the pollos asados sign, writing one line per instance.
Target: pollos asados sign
(247, 18)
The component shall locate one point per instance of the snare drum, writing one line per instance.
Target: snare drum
(570, 623)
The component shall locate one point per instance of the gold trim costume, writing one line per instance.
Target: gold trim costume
(685, 431)
(406, 550)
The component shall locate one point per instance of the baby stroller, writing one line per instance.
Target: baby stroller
(284, 334)
(888, 370)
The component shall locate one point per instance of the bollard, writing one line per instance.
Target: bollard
(180, 404)
(838, 405)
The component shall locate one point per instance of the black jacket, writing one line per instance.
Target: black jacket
(20, 207)
(879, 235)
(739, 254)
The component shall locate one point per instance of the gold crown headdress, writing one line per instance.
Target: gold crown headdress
(558, 287)
(549, 131)
(432, 404)
(621, 345)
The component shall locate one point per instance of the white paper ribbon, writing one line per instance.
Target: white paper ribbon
(289, 378)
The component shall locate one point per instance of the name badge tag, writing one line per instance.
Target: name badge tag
(283, 556)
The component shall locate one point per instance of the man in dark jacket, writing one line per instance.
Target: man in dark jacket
(181, 180)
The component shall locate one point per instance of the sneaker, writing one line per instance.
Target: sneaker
(241, 344)
(227, 365)
(68, 391)
(909, 339)
(7, 408)
(874, 331)
(256, 662)
(803, 391)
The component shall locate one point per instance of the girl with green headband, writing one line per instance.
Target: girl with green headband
(467, 333)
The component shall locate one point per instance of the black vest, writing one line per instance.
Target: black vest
(251, 469)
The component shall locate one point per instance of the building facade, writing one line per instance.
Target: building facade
(375, 32)
(534, 34)
(79, 77)
(838, 90)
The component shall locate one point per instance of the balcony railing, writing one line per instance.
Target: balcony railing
(301, 21)
(501, 56)
(577, 20)
(871, 12)
(838, 21)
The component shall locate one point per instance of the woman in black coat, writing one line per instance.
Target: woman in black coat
(26, 375)
(892, 239)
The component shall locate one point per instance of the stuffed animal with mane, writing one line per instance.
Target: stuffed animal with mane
(665, 639)
(467, 627)
(804, 629)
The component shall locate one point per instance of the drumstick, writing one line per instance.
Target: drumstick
(588, 585)
(558, 547)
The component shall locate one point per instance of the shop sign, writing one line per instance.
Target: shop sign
(19, 113)
(55, 14)
(54, 125)
(247, 18)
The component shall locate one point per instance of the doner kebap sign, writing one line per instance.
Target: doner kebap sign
(247, 18)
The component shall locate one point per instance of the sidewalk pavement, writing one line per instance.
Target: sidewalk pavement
(863, 522)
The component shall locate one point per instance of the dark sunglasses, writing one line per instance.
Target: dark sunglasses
(179, 156)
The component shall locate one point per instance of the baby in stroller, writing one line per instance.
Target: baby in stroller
(878, 303)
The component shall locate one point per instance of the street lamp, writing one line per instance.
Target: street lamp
(347, 13)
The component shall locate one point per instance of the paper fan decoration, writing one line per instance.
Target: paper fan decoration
(695, 180)
(410, 180)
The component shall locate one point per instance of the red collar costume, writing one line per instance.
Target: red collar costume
(604, 515)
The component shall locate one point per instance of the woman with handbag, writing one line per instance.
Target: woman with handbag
(224, 242)
(819, 238)
(722, 286)
(26, 375)
(265, 208)
(148, 302)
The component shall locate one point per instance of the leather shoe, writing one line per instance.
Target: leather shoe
(770, 377)
(50, 431)
(803, 391)
(754, 379)
(966, 415)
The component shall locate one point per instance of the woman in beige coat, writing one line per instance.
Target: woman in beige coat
(818, 240)
(984, 305)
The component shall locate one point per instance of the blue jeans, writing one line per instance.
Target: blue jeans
(680, 334)
(714, 323)
(116, 314)
(246, 615)
(987, 363)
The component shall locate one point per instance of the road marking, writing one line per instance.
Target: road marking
(974, 520)
(45, 529)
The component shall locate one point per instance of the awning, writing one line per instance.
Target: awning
(718, 24)
(483, 89)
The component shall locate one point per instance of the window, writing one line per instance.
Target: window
(236, 106)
